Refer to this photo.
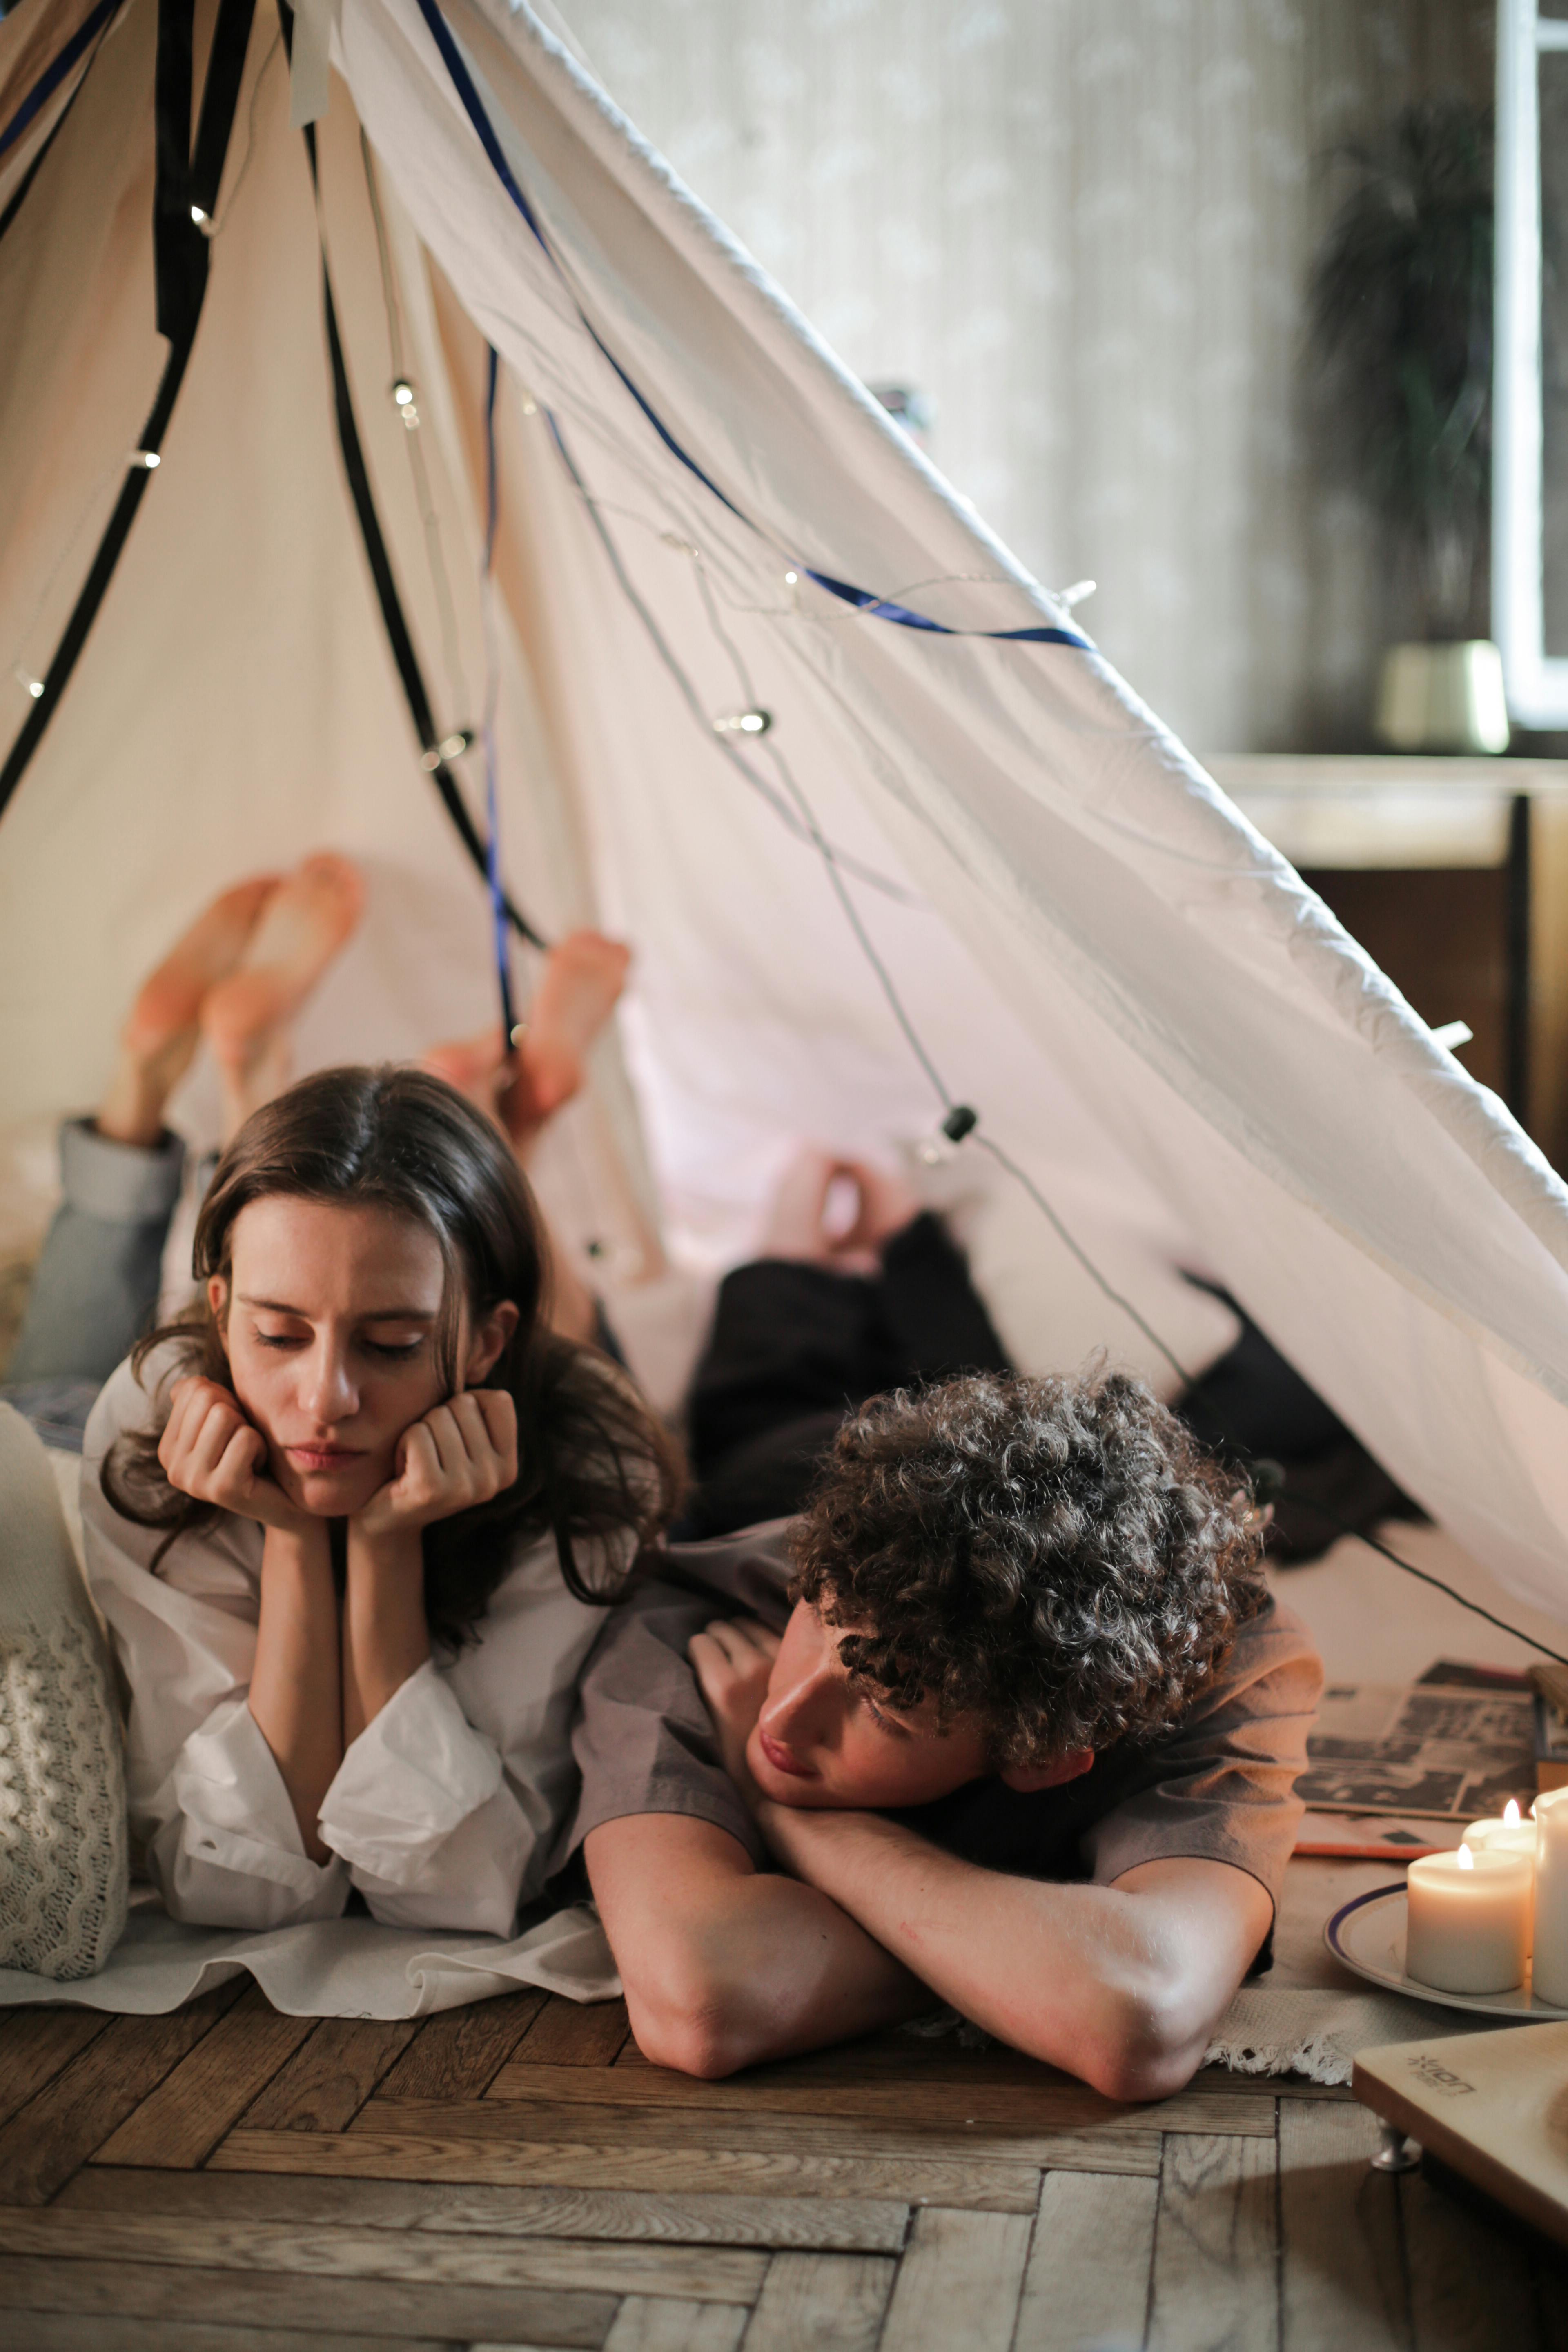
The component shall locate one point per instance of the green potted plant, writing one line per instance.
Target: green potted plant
(1402, 319)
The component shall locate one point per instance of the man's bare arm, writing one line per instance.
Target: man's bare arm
(1121, 1984)
(725, 1965)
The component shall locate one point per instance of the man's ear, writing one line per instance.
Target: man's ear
(1027, 1778)
(489, 1338)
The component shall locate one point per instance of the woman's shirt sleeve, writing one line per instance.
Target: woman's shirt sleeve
(446, 1807)
(207, 1801)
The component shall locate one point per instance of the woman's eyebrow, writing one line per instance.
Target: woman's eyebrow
(377, 1315)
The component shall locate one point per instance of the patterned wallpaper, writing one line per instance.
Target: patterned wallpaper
(1082, 228)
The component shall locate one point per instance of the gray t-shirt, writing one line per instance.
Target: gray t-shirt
(1217, 1786)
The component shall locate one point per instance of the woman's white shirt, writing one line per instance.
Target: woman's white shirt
(444, 1810)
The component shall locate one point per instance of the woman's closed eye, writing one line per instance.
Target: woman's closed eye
(398, 1351)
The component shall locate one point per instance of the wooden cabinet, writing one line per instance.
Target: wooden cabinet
(1453, 874)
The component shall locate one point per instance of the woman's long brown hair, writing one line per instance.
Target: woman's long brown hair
(591, 1460)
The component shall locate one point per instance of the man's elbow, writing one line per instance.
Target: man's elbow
(1149, 2044)
(687, 2018)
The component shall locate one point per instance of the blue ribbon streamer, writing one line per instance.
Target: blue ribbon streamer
(876, 608)
(492, 817)
(49, 80)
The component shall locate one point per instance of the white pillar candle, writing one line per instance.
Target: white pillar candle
(1504, 1833)
(1467, 1921)
(1550, 1976)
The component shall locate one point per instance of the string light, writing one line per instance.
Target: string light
(744, 723)
(147, 458)
(792, 578)
(1077, 593)
(204, 221)
(35, 685)
(407, 406)
(450, 747)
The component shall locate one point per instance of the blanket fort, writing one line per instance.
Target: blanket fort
(962, 862)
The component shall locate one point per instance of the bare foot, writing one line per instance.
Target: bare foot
(836, 1213)
(163, 1028)
(247, 1019)
(578, 989)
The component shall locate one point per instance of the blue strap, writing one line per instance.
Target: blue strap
(876, 608)
(49, 80)
(492, 817)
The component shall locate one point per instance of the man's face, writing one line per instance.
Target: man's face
(821, 1740)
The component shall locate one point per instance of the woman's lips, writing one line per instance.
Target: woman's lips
(323, 1458)
(782, 1760)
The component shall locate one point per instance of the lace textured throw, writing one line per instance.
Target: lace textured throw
(63, 1850)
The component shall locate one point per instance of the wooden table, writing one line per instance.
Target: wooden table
(1340, 815)
(226, 2179)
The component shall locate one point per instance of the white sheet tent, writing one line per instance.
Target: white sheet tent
(1145, 1007)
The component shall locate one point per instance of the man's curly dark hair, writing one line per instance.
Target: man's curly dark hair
(1059, 1557)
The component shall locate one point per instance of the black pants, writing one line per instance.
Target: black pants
(795, 1346)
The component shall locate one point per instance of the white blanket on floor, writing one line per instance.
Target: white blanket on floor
(334, 1967)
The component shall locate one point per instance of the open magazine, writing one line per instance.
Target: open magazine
(1415, 1761)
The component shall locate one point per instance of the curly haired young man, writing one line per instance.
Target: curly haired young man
(1010, 1721)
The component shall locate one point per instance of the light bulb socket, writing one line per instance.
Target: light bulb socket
(960, 1121)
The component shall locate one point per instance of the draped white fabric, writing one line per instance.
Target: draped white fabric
(1138, 997)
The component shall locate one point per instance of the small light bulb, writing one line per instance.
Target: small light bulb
(744, 723)
(529, 406)
(1076, 594)
(519, 1031)
(792, 578)
(36, 689)
(403, 393)
(453, 746)
(147, 458)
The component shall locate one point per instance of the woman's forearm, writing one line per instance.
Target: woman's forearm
(294, 1686)
(386, 1635)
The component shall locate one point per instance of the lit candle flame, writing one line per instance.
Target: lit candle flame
(1466, 1859)
(1510, 1813)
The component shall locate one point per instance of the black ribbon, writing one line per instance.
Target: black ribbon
(399, 637)
(182, 257)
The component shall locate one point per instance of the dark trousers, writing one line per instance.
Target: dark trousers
(795, 1347)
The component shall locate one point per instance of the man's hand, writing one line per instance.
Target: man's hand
(462, 1452)
(210, 1451)
(733, 1662)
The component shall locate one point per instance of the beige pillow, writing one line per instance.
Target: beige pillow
(64, 1875)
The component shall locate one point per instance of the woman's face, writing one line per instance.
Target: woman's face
(330, 1323)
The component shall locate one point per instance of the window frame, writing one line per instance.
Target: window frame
(1536, 682)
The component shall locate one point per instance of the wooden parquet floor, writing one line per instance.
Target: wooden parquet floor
(516, 2175)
